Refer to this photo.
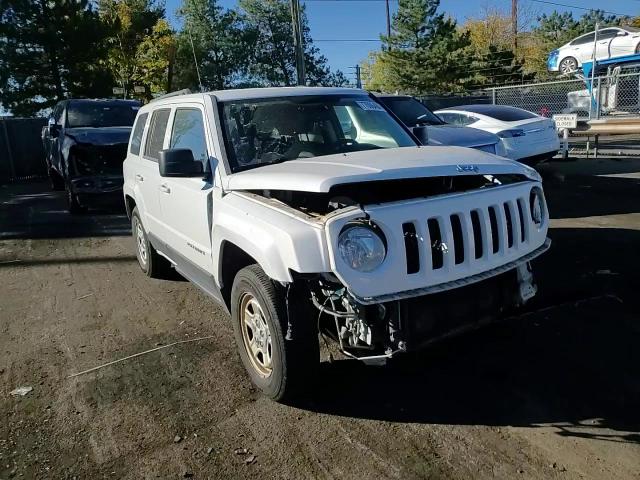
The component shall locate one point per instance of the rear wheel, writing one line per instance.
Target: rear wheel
(568, 65)
(638, 49)
(150, 261)
(279, 349)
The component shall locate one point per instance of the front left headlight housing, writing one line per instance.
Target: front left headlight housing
(536, 204)
(362, 246)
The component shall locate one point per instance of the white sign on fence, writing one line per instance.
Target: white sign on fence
(118, 90)
(569, 120)
(138, 89)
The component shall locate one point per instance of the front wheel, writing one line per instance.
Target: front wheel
(279, 349)
(73, 205)
(568, 65)
(57, 182)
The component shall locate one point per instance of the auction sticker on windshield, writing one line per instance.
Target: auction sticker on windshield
(371, 106)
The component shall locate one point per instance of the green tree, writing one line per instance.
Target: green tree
(140, 43)
(496, 67)
(221, 43)
(50, 50)
(273, 60)
(425, 52)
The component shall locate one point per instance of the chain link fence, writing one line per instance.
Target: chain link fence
(616, 94)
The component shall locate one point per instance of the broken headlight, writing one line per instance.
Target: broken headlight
(362, 246)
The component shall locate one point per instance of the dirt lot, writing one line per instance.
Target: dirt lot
(554, 393)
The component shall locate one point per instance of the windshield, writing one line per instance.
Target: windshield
(100, 114)
(411, 111)
(273, 130)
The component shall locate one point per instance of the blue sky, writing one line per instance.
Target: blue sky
(365, 20)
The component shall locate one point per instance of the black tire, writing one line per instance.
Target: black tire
(57, 182)
(570, 65)
(294, 360)
(73, 205)
(151, 262)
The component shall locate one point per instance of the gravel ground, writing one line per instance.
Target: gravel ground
(552, 393)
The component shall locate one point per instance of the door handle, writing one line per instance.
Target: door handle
(164, 189)
(139, 178)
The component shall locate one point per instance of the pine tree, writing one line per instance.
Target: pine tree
(50, 50)
(426, 52)
(273, 59)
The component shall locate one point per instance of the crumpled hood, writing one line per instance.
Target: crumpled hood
(319, 174)
(460, 136)
(99, 135)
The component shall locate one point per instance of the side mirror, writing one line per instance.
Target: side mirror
(422, 134)
(179, 162)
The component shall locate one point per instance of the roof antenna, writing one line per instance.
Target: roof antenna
(195, 60)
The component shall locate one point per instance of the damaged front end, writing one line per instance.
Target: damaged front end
(375, 332)
(95, 171)
(443, 256)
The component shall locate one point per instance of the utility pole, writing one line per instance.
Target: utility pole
(358, 76)
(514, 24)
(388, 20)
(297, 41)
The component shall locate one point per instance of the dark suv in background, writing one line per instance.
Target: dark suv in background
(435, 131)
(85, 143)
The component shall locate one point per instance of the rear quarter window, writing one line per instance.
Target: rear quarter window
(136, 135)
(157, 129)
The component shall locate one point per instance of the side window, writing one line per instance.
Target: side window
(188, 132)
(584, 39)
(136, 136)
(468, 120)
(607, 33)
(458, 118)
(155, 137)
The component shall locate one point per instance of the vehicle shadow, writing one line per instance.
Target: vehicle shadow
(568, 359)
(584, 188)
(32, 210)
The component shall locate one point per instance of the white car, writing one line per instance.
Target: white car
(301, 223)
(612, 42)
(526, 137)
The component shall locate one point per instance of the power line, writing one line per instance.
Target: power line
(557, 4)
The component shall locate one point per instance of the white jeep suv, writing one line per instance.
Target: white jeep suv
(309, 211)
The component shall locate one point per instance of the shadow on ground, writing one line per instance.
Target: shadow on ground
(32, 210)
(571, 360)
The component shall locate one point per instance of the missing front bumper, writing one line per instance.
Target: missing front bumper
(442, 287)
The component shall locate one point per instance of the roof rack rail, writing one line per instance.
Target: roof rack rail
(184, 91)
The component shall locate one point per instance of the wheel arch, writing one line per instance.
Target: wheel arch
(232, 259)
(130, 204)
